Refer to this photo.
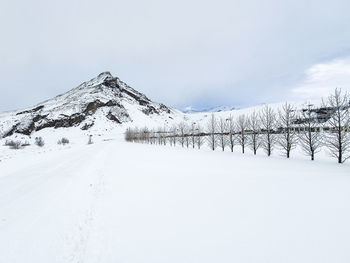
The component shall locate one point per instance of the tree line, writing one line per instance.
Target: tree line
(266, 129)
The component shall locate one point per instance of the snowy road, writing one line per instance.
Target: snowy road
(119, 202)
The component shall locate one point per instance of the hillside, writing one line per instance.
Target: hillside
(102, 101)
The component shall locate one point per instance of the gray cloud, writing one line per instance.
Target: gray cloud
(200, 53)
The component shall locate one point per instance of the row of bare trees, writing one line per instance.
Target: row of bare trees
(267, 129)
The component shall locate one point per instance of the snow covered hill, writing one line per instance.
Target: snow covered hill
(190, 109)
(103, 100)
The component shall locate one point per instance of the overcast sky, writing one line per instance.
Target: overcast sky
(181, 53)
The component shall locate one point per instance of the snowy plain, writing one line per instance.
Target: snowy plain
(114, 201)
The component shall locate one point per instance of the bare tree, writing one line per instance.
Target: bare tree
(288, 138)
(211, 130)
(165, 135)
(187, 135)
(152, 136)
(148, 135)
(193, 134)
(231, 132)
(160, 135)
(182, 131)
(200, 139)
(254, 132)
(309, 137)
(241, 128)
(175, 135)
(337, 139)
(222, 126)
(268, 124)
(169, 136)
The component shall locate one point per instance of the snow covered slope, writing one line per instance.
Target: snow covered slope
(104, 99)
(190, 109)
(91, 203)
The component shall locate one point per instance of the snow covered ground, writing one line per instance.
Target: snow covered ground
(114, 201)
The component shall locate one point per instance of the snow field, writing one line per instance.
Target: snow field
(123, 202)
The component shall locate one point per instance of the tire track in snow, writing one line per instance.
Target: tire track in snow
(29, 187)
(80, 238)
(50, 204)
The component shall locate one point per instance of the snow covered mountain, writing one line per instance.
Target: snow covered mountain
(102, 99)
(190, 109)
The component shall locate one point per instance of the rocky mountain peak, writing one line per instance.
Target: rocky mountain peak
(100, 79)
(103, 98)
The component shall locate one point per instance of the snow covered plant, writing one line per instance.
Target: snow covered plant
(287, 139)
(211, 131)
(39, 141)
(8, 142)
(63, 141)
(268, 120)
(15, 145)
(309, 137)
(337, 139)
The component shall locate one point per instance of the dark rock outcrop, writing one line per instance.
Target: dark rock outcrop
(31, 111)
(111, 117)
